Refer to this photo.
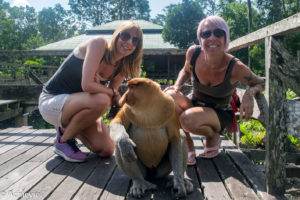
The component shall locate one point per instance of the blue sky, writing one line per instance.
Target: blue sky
(156, 6)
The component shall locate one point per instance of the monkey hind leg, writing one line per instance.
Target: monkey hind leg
(140, 186)
(137, 172)
(188, 186)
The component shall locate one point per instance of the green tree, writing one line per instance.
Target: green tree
(143, 9)
(94, 11)
(181, 23)
(55, 24)
(98, 12)
(122, 9)
(25, 26)
(209, 7)
(236, 16)
(7, 29)
(159, 19)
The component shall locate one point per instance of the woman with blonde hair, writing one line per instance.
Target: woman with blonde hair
(85, 86)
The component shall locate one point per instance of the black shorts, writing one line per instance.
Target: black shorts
(225, 115)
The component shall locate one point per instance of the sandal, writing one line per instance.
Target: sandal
(191, 158)
(211, 152)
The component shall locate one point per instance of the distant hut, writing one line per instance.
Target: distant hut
(161, 60)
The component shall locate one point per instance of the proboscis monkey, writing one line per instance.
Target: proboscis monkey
(147, 137)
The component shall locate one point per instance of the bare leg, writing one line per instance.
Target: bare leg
(96, 138)
(203, 121)
(190, 142)
(80, 112)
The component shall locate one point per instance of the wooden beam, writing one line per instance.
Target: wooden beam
(276, 130)
(65, 53)
(36, 53)
(285, 26)
(161, 52)
(20, 91)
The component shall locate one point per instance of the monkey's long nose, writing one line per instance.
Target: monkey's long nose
(123, 99)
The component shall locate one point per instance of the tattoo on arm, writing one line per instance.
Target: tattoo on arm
(249, 78)
(253, 80)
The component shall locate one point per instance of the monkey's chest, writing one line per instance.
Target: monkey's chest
(151, 144)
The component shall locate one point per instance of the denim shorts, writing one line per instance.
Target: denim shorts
(50, 107)
(225, 115)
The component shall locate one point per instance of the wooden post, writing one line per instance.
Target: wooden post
(298, 56)
(275, 95)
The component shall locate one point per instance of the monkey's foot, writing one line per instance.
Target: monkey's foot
(139, 187)
(181, 187)
(188, 186)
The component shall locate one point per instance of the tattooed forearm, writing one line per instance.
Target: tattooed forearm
(253, 80)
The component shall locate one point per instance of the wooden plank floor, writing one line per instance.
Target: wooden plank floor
(30, 170)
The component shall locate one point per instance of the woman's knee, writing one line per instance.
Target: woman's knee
(100, 102)
(185, 121)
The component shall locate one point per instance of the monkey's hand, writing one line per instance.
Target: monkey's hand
(126, 147)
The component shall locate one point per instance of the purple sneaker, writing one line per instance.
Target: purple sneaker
(68, 150)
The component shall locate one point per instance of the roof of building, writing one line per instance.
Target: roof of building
(152, 38)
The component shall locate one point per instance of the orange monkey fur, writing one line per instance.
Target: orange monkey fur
(145, 105)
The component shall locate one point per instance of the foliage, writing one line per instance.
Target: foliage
(294, 141)
(159, 19)
(55, 24)
(258, 59)
(98, 12)
(130, 9)
(31, 62)
(293, 43)
(253, 133)
(182, 22)
(209, 7)
(290, 94)
(105, 120)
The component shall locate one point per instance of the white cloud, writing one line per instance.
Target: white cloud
(20, 3)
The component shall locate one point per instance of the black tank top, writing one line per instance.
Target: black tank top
(216, 95)
(67, 79)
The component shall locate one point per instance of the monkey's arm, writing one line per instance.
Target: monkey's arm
(176, 156)
(121, 138)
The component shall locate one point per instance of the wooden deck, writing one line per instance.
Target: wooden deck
(30, 170)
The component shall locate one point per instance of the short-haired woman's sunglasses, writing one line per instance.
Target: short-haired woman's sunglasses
(125, 36)
(217, 32)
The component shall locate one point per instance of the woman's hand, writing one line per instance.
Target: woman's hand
(246, 108)
(115, 98)
(175, 88)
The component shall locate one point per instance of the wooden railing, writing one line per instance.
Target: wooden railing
(280, 116)
(19, 74)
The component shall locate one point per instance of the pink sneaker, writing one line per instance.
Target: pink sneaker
(68, 150)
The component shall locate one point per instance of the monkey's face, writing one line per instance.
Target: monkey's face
(140, 91)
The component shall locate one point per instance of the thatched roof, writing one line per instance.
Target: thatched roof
(152, 39)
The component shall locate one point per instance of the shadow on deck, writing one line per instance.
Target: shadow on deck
(30, 170)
